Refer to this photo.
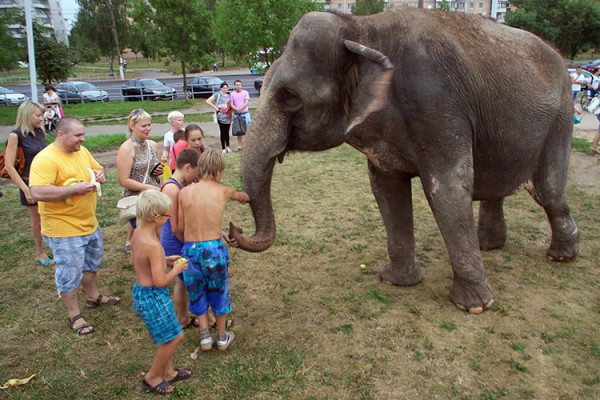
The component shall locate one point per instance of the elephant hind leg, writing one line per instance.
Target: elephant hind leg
(549, 189)
(491, 229)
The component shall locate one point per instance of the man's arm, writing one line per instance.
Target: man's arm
(55, 193)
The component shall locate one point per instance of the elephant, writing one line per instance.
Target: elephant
(474, 109)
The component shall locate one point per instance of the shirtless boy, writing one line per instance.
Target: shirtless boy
(150, 293)
(201, 208)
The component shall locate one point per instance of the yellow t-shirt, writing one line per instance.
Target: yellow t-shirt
(52, 166)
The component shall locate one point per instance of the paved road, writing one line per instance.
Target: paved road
(113, 87)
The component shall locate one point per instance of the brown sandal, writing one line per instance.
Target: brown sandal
(80, 328)
(98, 302)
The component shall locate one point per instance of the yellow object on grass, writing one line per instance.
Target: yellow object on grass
(17, 382)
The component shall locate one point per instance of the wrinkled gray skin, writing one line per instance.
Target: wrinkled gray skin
(476, 110)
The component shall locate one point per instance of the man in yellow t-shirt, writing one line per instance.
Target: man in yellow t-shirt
(60, 182)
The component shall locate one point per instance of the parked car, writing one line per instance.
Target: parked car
(592, 65)
(80, 92)
(258, 84)
(10, 98)
(147, 89)
(203, 86)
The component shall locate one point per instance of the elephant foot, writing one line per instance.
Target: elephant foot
(470, 297)
(563, 252)
(490, 242)
(399, 276)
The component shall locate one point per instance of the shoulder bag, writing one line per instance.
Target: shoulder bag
(223, 115)
(19, 162)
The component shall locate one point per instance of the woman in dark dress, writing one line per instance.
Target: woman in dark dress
(28, 135)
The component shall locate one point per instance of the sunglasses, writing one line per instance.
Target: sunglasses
(138, 111)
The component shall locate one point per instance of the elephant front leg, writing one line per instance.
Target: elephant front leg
(452, 207)
(394, 198)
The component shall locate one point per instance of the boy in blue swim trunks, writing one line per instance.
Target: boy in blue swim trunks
(150, 293)
(201, 208)
(170, 239)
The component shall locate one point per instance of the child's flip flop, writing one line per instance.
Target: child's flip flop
(48, 261)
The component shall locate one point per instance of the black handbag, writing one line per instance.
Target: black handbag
(238, 127)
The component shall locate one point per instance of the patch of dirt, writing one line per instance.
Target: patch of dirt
(585, 170)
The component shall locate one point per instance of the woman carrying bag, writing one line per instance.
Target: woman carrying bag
(221, 103)
(28, 136)
(138, 166)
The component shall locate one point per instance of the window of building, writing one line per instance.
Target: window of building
(340, 6)
(480, 5)
(471, 5)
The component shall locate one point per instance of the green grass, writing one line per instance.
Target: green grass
(99, 111)
(309, 323)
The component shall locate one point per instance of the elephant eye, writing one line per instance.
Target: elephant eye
(291, 102)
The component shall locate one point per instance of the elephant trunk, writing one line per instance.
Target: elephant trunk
(265, 141)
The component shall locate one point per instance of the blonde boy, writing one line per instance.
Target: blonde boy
(175, 118)
(201, 208)
(150, 293)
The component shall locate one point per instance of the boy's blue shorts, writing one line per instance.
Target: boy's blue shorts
(156, 309)
(206, 278)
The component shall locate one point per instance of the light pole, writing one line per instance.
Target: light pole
(30, 49)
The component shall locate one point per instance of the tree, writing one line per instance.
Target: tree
(52, 58)
(12, 50)
(570, 25)
(180, 27)
(443, 6)
(97, 17)
(243, 27)
(368, 7)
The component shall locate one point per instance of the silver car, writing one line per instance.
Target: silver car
(10, 98)
(80, 92)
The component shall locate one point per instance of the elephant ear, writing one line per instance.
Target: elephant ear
(368, 83)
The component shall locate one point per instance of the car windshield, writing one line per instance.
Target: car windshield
(151, 82)
(213, 81)
(85, 86)
(4, 90)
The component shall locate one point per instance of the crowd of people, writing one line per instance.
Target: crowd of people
(588, 85)
(177, 223)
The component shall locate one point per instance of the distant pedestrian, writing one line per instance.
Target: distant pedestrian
(215, 67)
(221, 103)
(239, 103)
(578, 81)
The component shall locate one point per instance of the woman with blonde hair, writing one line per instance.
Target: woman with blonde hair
(30, 137)
(138, 166)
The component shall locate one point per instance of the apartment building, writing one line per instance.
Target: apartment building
(47, 13)
(495, 9)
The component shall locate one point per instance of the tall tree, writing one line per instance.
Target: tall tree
(570, 25)
(180, 27)
(95, 19)
(243, 27)
(53, 59)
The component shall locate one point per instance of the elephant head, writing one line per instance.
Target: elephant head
(325, 84)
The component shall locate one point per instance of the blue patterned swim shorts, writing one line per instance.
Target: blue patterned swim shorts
(156, 309)
(206, 278)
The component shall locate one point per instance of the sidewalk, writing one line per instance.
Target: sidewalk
(209, 128)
